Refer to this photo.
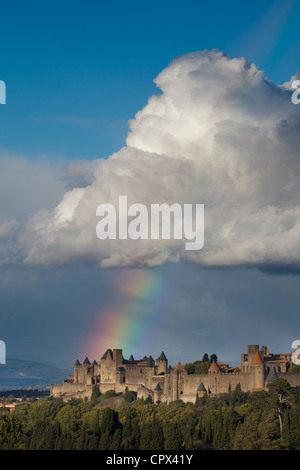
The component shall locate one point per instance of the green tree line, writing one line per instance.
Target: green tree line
(263, 420)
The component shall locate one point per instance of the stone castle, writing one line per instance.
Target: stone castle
(166, 384)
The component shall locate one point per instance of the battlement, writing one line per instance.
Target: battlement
(113, 372)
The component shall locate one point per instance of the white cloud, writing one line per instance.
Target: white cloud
(220, 134)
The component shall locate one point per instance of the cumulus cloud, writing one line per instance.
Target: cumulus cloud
(219, 134)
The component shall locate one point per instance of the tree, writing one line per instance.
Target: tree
(149, 400)
(294, 369)
(213, 358)
(205, 357)
(285, 434)
(117, 439)
(152, 437)
(105, 441)
(190, 368)
(172, 437)
(131, 431)
(109, 422)
(291, 434)
(284, 396)
(129, 395)
(95, 393)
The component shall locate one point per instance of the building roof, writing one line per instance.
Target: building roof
(108, 351)
(77, 363)
(162, 357)
(150, 362)
(214, 367)
(201, 388)
(95, 363)
(131, 358)
(145, 358)
(271, 375)
(179, 366)
(86, 361)
(158, 387)
(257, 360)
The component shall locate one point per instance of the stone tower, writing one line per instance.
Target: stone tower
(257, 370)
(161, 364)
(178, 375)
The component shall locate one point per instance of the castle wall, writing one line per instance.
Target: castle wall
(215, 382)
(293, 379)
(115, 374)
(67, 391)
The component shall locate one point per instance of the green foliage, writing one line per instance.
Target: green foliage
(152, 437)
(197, 367)
(95, 392)
(149, 400)
(190, 368)
(213, 358)
(294, 369)
(110, 394)
(129, 395)
(231, 421)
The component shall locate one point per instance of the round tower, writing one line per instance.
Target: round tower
(257, 371)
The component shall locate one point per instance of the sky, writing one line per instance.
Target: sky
(213, 128)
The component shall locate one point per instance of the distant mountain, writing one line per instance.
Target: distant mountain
(26, 374)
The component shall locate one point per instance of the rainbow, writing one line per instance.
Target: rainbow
(131, 321)
(134, 316)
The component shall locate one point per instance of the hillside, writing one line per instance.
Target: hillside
(17, 373)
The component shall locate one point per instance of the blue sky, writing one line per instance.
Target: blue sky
(75, 73)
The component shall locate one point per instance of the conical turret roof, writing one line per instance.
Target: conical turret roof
(150, 362)
(86, 361)
(162, 357)
(271, 375)
(131, 358)
(201, 388)
(77, 363)
(179, 366)
(257, 360)
(214, 367)
(107, 352)
(95, 362)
